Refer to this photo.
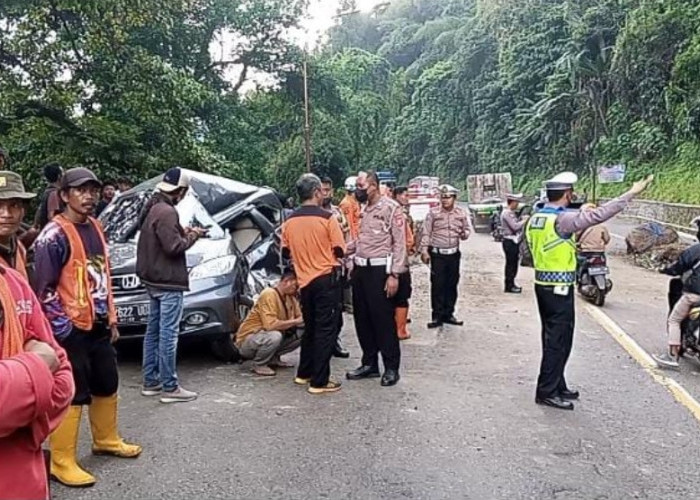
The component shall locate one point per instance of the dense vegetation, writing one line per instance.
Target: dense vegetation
(450, 87)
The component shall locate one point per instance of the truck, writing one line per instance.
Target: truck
(487, 194)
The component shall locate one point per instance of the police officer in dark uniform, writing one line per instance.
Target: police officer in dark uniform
(550, 235)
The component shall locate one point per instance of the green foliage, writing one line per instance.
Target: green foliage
(445, 87)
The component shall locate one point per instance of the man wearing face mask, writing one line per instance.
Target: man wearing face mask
(379, 256)
(161, 264)
(550, 235)
(327, 188)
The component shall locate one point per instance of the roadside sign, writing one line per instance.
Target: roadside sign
(611, 174)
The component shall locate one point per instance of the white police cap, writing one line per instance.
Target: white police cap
(448, 190)
(563, 181)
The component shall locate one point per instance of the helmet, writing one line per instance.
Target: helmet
(350, 183)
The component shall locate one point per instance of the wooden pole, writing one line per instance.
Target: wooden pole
(307, 117)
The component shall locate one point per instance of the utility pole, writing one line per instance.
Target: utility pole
(307, 117)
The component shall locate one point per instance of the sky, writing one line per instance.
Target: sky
(321, 17)
(322, 14)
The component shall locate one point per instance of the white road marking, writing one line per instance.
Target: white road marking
(644, 359)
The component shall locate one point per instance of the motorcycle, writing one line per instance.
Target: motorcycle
(690, 327)
(592, 278)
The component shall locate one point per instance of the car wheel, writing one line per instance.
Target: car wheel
(224, 349)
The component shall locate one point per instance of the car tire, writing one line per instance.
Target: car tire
(224, 349)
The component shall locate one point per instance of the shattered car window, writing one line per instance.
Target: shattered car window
(121, 219)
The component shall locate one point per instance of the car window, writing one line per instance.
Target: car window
(274, 215)
(121, 219)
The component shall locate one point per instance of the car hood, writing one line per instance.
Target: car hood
(122, 256)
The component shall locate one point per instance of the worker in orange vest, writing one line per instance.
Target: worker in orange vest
(13, 205)
(405, 289)
(73, 283)
(351, 207)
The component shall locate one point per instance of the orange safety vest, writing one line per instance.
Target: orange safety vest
(74, 284)
(351, 208)
(20, 261)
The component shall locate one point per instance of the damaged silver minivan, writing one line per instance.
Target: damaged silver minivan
(227, 269)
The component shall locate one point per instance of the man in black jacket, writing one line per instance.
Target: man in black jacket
(688, 262)
(162, 266)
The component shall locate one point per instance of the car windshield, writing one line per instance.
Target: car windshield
(121, 219)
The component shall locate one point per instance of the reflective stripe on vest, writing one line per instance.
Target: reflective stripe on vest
(74, 282)
(554, 257)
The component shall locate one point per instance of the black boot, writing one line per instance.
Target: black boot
(514, 289)
(339, 351)
(363, 372)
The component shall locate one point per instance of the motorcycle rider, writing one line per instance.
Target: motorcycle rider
(688, 262)
(592, 240)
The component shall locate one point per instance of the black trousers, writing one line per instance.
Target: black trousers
(374, 318)
(320, 307)
(558, 320)
(512, 251)
(94, 362)
(444, 278)
(405, 290)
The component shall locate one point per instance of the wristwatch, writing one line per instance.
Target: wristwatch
(394, 275)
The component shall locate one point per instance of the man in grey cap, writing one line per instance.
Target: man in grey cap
(161, 265)
(13, 205)
(512, 226)
(550, 235)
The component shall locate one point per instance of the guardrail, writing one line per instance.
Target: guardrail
(675, 215)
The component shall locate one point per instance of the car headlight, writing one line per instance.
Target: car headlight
(220, 266)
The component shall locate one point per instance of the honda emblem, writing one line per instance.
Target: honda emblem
(130, 282)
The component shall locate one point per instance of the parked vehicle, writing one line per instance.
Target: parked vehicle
(690, 327)
(592, 277)
(228, 269)
(487, 193)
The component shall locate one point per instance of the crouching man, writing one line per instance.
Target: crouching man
(271, 329)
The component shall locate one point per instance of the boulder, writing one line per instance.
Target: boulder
(649, 235)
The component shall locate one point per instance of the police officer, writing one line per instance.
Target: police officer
(512, 227)
(550, 236)
(379, 257)
(443, 229)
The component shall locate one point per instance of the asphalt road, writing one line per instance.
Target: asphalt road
(461, 424)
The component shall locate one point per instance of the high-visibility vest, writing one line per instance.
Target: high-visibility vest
(554, 257)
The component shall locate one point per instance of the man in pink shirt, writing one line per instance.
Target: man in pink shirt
(36, 388)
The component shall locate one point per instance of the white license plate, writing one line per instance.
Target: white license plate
(597, 271)
(133, 315)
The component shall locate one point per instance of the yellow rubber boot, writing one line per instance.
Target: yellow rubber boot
(105, 437)
(401, 319)
(63, 443)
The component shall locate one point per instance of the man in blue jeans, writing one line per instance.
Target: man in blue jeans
(162, 267)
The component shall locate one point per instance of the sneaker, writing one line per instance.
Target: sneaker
(263, 371)
(278, 363)
(331, 386)
(179, 395)
(301, 381)
(154, 390)
(666, 360)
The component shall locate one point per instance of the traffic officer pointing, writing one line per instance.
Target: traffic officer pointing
(443, 229)
(379, 257)
(550, 236)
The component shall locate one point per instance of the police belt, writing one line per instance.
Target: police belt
(376, 262)
(445, 251)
